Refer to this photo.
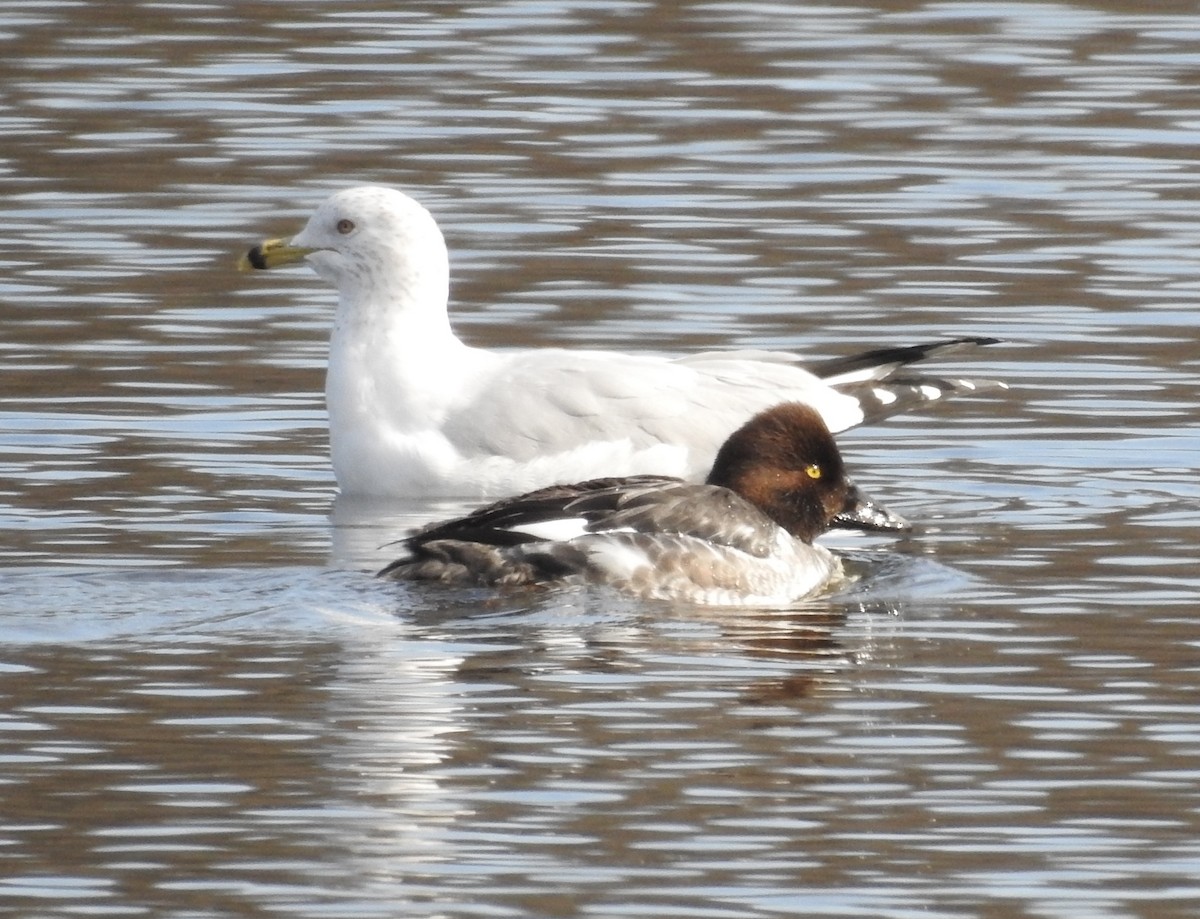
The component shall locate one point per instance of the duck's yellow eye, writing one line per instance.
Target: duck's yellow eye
(813, 471)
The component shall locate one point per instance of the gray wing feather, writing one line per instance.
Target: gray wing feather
(548, 401)
(715, 515)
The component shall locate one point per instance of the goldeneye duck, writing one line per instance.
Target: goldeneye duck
(743, 537)
(415, 412)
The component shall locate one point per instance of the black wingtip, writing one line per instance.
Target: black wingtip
(898, 356)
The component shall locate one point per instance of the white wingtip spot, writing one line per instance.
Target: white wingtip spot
(930, 392)
(885, 396)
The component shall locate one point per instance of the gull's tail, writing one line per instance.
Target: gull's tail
(884, 383)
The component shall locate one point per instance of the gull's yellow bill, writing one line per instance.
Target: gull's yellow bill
(273, 253)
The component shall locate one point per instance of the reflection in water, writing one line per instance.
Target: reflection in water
(210, 708)
(418, 746)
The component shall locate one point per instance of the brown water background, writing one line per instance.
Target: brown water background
(211, 709)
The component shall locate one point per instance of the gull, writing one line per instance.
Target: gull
(416, 412)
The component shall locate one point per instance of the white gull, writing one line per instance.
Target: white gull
(415, 412)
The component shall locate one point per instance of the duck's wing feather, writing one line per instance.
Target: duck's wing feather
(640, 504)
(625, 525)
(709, 513)
(500, 523)
(479, 547)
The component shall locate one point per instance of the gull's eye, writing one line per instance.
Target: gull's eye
(345, 226)
(813, 471)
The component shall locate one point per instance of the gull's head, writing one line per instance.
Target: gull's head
(368, 242)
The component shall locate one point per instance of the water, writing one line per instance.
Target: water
(211, 708)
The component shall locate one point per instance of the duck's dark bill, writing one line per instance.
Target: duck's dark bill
(861, 513)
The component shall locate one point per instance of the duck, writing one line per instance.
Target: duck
(415, 412)
(743, 537)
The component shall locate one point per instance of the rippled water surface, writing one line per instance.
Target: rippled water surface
(210, 708)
